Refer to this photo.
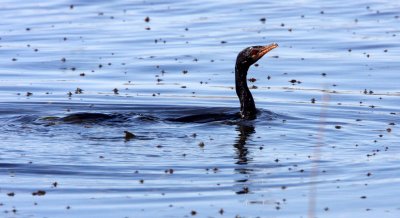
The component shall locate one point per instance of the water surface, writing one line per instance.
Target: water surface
(325, 143)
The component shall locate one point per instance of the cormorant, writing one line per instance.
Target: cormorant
(248, 111)
(244, 60)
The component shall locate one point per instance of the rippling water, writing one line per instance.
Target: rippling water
(325, 144)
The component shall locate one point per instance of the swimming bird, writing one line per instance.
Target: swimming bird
(248, 111)
(244, 60)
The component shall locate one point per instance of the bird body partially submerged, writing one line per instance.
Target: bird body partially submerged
(248, 111)
(244, 60)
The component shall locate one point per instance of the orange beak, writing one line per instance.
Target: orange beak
(264, 50)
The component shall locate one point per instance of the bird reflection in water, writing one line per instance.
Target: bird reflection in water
(244, 133)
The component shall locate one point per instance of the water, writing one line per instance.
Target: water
(336, 157)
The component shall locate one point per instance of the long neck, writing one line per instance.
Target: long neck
(247, 107)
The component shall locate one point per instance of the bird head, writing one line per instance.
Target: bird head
(251, 55)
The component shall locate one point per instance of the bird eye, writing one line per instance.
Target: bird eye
(254, 52)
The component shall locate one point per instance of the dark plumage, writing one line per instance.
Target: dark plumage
(244, 60)
(248, 111)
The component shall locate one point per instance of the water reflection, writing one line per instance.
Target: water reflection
(244, 133)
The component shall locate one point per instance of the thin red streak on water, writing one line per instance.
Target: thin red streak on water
(312, 203)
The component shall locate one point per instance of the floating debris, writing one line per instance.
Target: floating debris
(313, 100)
(129, 135)
(169, 171)
(252, 80)
(79, 91)
(245, 190)
(39, 193)
(201, 144)
(293, 81)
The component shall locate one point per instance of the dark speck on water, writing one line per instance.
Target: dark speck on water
(129, 135)
(39, 193)
(130, 109)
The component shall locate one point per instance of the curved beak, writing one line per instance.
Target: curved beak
(265, 49)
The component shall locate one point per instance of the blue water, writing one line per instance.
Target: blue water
(336, 157)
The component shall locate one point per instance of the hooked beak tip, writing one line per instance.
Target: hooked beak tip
(267, 49)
